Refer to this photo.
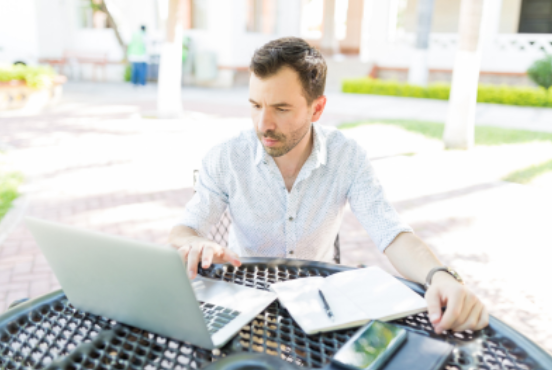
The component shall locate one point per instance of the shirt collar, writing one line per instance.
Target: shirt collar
(319, 150)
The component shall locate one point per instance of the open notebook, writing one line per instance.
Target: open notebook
(355, 297)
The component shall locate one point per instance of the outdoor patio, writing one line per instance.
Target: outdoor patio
(94, 162)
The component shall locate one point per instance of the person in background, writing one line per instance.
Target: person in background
(138, 57)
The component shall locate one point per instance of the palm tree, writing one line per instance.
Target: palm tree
(459, 128)
(418, 71)
(102, 6)
(169, 97)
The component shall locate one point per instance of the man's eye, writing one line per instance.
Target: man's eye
(282, 110)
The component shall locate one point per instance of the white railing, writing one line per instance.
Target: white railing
(505, 53)
(437, 41)
(523, 43)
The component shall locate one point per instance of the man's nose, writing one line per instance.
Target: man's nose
(266, 121)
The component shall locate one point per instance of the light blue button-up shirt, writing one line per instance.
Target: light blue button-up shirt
(267, 220)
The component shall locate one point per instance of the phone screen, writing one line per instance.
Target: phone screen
(370, 348)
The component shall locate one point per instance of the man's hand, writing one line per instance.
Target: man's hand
(464, 310)
(194, 248)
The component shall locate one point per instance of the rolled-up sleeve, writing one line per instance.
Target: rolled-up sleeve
(210, 199)
(368, 203)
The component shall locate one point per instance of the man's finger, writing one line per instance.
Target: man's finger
(483, 319)
(454, 308)
(207, 256)
(231, 257)
(470, 302)
(471, 320)
(183, 252)
(433, 305)
(193, 260)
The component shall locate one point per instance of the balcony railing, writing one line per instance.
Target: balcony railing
(505, 53)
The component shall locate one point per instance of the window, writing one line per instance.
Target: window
(312, 16)
(341, 8)
(91, 15)
(261, 16)
(536, 16)
(84, 14)
(199, 14)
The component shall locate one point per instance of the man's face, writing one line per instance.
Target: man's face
(280, 113)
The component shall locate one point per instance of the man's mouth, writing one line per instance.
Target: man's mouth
(269, 142)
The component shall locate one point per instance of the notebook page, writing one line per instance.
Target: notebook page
(303, 302)
(378, 294)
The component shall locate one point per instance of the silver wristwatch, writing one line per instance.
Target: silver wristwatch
(446, 269)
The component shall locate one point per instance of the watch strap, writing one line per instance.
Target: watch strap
(446, 269)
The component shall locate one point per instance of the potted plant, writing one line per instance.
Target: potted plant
(28, 87)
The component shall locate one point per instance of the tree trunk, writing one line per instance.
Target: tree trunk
(459, 128)
(418, 71)
(113, 24)
(169, 86)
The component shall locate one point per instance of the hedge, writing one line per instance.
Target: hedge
(525, 96)
(35, 77)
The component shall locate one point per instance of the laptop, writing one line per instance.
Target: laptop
(145, 285)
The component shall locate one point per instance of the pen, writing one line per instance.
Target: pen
(326, 305)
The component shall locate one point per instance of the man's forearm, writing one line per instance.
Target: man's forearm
(411, 257)
(464, 311)
(180, 233)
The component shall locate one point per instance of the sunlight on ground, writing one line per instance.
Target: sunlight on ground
(486, 162)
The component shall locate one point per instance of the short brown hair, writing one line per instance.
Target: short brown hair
(297, 54)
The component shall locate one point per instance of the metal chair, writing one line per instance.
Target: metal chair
(219, 232)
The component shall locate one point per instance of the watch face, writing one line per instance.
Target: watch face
(456, 275)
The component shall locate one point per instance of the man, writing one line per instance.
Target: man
(138, 57)
(287, 181)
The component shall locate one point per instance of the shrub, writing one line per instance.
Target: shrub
(35, 77)
(524, 96)
(128, 73)
(541, 72)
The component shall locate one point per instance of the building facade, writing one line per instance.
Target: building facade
(360, 37)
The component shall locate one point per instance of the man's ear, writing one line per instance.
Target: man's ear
(318, 104)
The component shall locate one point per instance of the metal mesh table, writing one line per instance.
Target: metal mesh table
(48, 332)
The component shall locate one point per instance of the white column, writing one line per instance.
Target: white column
(329, 43)
(169, 87)
(459, 128)
(418, 71)
(375, 29)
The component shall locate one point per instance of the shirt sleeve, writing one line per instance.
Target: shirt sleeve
(210, 200)
(368, 203)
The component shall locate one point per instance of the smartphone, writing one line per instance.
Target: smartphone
(371, 346)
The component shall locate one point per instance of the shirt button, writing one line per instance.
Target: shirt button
(291, 218)
(290, 252)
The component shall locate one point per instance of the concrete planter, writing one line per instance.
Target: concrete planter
(16, 95)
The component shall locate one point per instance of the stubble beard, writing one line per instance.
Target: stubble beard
(288, 143)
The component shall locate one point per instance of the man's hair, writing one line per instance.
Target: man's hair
(297, 54)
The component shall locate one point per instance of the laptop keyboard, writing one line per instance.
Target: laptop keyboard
(217, 317)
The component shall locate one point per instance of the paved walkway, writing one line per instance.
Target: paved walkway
(340, 108)
(94, 163)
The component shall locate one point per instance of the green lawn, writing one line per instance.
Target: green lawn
(484, 135)
(9, 183)
(526, 175)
